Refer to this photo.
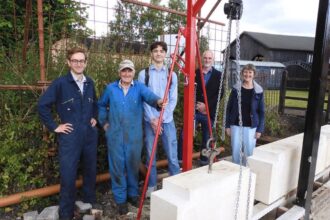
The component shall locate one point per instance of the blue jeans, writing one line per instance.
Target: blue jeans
(170, 146)
(202, 119)
(248, 139)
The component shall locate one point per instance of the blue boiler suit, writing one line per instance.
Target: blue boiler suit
(81, 144)
(124, 113)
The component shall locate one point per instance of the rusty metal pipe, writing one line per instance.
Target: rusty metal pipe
(51, 190)
(20, 87)
(41, 42)
(42, 192)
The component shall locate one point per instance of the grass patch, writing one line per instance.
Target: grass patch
(272, 96)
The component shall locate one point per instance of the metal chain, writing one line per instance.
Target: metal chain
(248, 195)
(195, 95)
(225, 90)
(243, 155)
(240, 122)
(223, 75)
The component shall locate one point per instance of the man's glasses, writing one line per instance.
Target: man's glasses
(75, 62)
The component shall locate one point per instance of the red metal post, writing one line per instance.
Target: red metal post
(189, 107)
(41, 42)
(197, 7)
(198, 55)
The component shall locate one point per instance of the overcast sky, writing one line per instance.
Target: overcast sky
(294, 17)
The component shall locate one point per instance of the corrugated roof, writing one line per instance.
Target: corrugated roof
(284, 42)
(260, 63)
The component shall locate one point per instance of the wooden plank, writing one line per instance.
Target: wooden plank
(297, 79)
(297, 89)
(296, 98)
(295, 213)
(300, 98)
(296, 112)
(261, 209)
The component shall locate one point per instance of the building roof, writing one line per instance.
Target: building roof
(260, 63)
(284, 42)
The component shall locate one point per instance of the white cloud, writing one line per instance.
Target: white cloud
(294, 17)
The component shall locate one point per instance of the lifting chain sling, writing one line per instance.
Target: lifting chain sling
(234, 9)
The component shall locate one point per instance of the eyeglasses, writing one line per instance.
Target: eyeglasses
(75, 62)
(158, 51)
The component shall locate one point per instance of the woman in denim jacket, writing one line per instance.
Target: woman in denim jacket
(253, 114)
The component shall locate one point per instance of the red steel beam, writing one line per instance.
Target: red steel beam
(170, 10)
(189, 107)
(197, 7)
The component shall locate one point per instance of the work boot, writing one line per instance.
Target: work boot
(97, 206)
(134, 201)
(122, 208)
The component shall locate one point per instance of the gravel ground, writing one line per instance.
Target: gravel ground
(104, 198)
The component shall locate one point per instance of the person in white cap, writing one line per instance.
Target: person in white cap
(120, 114)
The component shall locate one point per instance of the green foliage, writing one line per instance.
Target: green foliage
(203, 44)
(61, 19)
(127, 24)
(137, 24)
(174, 22)
(273, 123)
(23, 162)
(152, 22)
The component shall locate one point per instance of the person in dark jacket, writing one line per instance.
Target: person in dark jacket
(121, 115)
(73, 96)
(252, 112)
(212, 84)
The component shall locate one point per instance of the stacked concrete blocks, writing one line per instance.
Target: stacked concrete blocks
(197, 194)
(277, 165)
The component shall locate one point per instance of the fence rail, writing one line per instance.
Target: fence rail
(295, 108)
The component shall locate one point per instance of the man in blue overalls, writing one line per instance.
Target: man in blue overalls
(73, 96)
(120, 114)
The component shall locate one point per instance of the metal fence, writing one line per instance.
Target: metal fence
(110, 31)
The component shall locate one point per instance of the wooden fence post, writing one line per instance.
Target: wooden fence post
(327, 114)
(281, 103)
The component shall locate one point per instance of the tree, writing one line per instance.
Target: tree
(137, 24)
(173, 21)
(153, 23)
(127, 24)
(203, 43)
(62, 18)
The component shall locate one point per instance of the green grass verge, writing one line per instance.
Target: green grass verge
(272, 96)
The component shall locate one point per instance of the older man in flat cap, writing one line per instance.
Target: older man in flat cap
(120, 114)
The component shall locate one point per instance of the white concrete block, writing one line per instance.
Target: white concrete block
(322, 154)
(197, 194)
(325, 130)
(49, 213)
(264, 165)
(277, 166)
(30, 215)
